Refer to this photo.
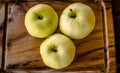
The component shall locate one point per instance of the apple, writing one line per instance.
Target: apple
(57, 51)
(41, 21)
(77, 21)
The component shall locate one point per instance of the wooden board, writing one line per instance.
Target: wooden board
(57, 0)
(2, 13)
(111, 39)
(22, 52)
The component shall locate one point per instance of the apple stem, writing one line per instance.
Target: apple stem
(54, 49)
(72, 16)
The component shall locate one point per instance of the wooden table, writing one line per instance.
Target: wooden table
(22, 50)
(116, 14)
(2, 14)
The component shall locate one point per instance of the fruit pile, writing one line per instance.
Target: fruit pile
(76, 22)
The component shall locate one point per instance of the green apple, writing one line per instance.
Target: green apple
(57, 51)
(77, 21)
(41, 21)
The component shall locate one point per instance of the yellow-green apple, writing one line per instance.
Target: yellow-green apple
(57, 51)
(77, 21)
(41, 20)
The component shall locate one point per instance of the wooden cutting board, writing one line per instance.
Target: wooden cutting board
(22, 50)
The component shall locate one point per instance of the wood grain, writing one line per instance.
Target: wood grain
(49, 71)
(61, 0)
(2, 6)
(22, 52)
(111, 38)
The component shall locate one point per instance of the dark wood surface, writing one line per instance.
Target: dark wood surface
(116, 15)
(22, 58)
(2, 13)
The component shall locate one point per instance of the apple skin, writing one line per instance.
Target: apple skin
(57, 51)
(77, 21)
(41, 21)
